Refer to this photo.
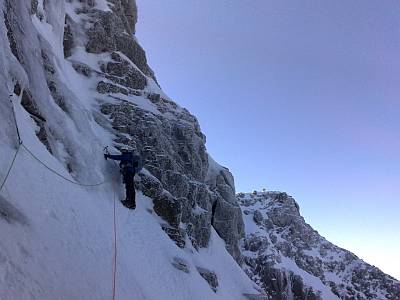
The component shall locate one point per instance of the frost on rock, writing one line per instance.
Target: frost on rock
(166, 135)
(290, 260)
(210, 277)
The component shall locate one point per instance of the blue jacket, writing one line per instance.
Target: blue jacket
(129, 162)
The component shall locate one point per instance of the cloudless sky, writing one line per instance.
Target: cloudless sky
(297, 96)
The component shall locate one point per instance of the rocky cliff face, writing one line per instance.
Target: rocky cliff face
(185, 193)
(98, 43)
(290, 260)
(78, 80)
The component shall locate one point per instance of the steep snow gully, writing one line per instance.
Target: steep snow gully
(73, 79)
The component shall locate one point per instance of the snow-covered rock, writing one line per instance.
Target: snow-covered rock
(78, 81)
(74, 79)
(290, 260)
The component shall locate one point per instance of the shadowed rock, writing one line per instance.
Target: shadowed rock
(174, 151)
(210, 277)
(10, 213)
(180, 264)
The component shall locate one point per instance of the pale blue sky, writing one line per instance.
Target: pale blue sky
(298, 96)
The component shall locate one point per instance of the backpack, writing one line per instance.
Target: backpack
(137, 163)
(134, 165)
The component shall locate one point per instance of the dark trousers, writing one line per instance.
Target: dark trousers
(130, 187)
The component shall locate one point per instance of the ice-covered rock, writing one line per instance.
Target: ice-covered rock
(210, 277)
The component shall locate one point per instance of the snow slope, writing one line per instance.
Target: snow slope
(57, 244)
(57, 237)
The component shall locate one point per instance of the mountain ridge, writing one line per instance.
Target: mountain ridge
(279, 239)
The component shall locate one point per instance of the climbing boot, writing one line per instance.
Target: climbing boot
(129, 204)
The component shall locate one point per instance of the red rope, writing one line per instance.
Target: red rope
(115, 251)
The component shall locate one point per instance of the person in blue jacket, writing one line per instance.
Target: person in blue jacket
(130, 164)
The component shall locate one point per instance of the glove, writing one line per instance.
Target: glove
(105, 156)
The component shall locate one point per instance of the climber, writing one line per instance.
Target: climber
(130, 164)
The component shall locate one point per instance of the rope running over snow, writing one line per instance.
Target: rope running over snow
(87, 185)
(58, 174)
(10, 168)
(16, 152)
(20, 144)
(115, 252)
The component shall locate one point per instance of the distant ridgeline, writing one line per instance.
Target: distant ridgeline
(286, 256)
